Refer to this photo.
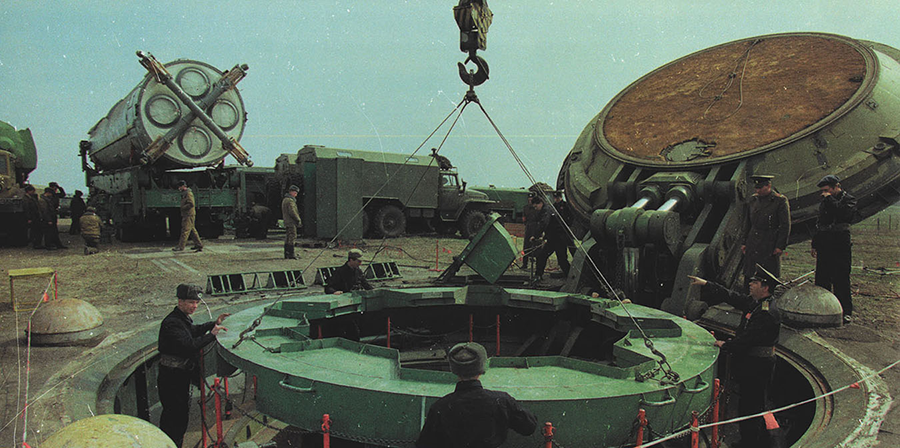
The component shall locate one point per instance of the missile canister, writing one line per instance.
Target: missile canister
(152, 112)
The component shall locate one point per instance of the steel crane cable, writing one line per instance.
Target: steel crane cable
(663, 362)
(258, 320)
(746, 58)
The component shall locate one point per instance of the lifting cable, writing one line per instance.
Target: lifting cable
(669, 373)
(459, 107)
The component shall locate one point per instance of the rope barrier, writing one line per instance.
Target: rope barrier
(44, 298)
(854, 385)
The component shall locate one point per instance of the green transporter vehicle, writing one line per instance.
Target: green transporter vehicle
(18, 158)
(178, 123)
(399, 192)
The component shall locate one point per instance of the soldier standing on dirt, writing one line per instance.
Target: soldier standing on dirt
(33, 216)
(768, 226)
(76, 209)
(180, 343)
(831, 245)
(49, 219)
(291, 217)
(188, 220)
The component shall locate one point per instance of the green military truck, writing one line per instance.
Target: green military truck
(349, 193)
(18, 158)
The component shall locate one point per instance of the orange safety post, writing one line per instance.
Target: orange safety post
(471, 326)
(498, 335)
(227, 398)
(642, 423)
(202, 404)
(326, 431)
(547, 432)
(695, 430)
(436, 255)
(219, 432)
(389, 332)
(714, 418)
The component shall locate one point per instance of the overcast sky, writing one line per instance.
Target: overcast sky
(378, 75)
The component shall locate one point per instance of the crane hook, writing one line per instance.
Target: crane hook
(474, 78)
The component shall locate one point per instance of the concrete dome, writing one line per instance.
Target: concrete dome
(66, 322)
(808, 305)
(109, 431)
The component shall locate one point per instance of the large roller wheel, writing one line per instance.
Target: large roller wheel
(390, 221)
(472, 221)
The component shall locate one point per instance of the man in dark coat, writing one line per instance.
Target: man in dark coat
(752, 347)
(831, 245)
(472, 416)
(768, 226)
(348, 277)
(34, 217)
(556, 237)
(180, 343)
(49, 220)
(76, 208)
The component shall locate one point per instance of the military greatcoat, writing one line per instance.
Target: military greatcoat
(768, 226)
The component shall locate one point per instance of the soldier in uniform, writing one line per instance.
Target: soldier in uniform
(348, 277)
(752, 347)
(767, 227)
(556, 239)
(472, 416)
(33, 216)
(180, 343)
(188, 218)
(529, 215)
(291, 218)
(831, 245)
(76, 208)
(259, 220)
(49, 220)
(90, 225)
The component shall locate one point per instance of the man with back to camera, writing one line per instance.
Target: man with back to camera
(76, 208)
(831, 244)
(472, 416)
(90, 228)
(291, 217)
(188, 220)
(348, 277)
(767, 226)
(180, 343)
(753, 346)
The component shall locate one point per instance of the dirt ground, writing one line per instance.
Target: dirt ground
(133, 285)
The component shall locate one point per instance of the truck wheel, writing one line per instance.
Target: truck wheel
(390, 221)
(472, 221)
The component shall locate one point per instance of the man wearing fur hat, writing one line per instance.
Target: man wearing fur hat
(348, 277)
(472, 416)
(180, 343)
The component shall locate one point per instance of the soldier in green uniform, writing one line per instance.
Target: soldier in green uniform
(188, 217)
(291, 218)
(767, 227)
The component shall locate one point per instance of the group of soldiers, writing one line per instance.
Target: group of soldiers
(768, 226)
(546, 233)
(42, 215)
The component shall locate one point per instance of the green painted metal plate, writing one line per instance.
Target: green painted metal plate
(380, 395)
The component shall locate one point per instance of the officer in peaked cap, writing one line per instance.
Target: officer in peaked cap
(752, 347)
(471, 415)
(180, 343)
(767, 226)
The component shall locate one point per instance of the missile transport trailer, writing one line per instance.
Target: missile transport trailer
(398, 192)
(18, 158)
(660, 175)
(182, 116)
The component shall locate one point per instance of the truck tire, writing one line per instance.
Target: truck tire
(471, 222)
(390, 221)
